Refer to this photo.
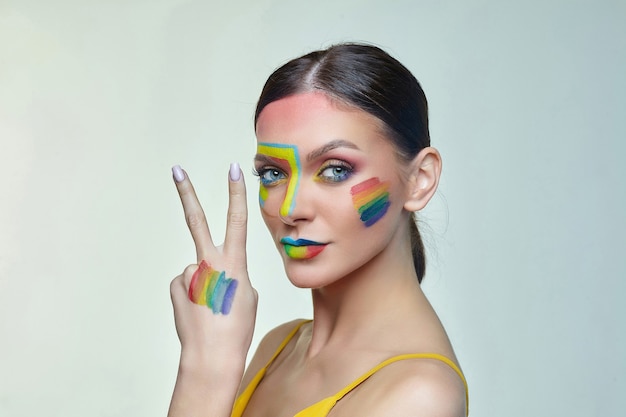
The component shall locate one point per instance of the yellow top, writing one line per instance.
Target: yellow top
(323, 407)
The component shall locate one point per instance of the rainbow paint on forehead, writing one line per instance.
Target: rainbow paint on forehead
(289, 154)
(371, 199)
(211, 288)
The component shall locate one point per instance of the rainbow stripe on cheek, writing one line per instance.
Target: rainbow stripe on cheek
(211, 288)
(371, 200)
(289, 154)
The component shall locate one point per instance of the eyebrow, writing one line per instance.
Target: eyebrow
(264, 159)
(333, 144)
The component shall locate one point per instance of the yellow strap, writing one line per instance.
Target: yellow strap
(389, 361)
(323, 407)
(285, 341)
(242, 400)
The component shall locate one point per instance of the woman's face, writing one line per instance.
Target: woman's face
(331, 188)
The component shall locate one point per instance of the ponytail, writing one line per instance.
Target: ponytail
(417, 249)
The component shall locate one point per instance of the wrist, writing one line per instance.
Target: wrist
(212, 368)
(205, 386)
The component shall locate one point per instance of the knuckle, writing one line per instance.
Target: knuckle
(238, 219)
(175, 285)
(194, 220)
(189, 271)
(235, 191)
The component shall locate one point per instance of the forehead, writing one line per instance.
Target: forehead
(310, 119)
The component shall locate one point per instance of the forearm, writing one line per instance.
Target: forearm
(206, 389)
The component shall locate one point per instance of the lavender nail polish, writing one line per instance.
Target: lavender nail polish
(234, 172)
(178, 173)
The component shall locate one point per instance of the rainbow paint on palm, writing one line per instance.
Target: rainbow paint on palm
(289, 154)
(301, 248)
(211, 288)
(371, 199)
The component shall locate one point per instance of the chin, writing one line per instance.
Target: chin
(305, 274)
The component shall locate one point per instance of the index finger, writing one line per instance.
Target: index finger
(194, 215)
(236, 226)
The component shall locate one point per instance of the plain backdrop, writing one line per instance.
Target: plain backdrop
(526, 236)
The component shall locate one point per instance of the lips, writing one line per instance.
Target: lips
(301, 248)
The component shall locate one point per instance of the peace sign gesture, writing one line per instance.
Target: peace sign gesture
(214, 302)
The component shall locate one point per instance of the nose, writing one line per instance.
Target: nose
(288, 220)
(296, 205)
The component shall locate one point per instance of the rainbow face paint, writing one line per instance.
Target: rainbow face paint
(371, 200)
(301, 248)
(289, 154)
(211, 288)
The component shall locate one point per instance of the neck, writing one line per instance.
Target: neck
(356, 310)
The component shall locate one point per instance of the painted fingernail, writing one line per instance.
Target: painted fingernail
(235, 172)
(178, 173)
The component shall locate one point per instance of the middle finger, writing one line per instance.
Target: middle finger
(195, 218)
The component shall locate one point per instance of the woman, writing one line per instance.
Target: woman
(344, 159)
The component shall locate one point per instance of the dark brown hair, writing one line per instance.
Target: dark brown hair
(366, 77)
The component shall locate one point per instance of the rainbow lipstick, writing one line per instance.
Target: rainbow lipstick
(301, 248)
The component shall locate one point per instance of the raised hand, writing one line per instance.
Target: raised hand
(214, 302)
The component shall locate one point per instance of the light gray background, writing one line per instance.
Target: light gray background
(526, 235)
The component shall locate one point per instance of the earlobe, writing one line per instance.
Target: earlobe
(425, 170)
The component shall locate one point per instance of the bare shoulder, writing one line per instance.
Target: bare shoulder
(430, 388)
(266, 349)
(415, 387)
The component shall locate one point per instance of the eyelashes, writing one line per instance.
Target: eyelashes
(335, 170)
(269, 176)
(331, 171)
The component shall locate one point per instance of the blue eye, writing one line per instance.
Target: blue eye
(335, 171)
(271, 176)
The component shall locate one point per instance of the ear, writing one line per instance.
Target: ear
(425, 170)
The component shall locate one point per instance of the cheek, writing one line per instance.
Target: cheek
(370, 198)
(271, 201)
(262, 196)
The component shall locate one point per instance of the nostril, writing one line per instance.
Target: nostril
(288, 220)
